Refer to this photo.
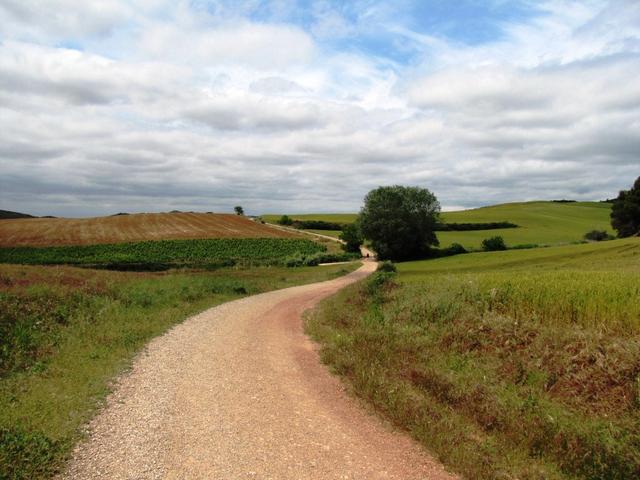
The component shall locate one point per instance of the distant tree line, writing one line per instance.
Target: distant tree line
(439, 227)
(317, 225)
(464, 227)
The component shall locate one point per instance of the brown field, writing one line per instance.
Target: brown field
(131, 228)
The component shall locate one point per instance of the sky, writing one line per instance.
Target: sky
(304, 106)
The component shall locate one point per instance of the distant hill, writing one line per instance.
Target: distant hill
(131, 228)
(542, 223)
(6, 215)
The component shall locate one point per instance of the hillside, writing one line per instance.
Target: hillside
(7, 214)
(131, 228)
(543, 223)
(512, 364)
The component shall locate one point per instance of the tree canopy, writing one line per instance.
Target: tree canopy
(400, 221)
(625, 213)
(352, 238)
(239, 210)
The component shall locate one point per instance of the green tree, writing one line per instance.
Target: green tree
(239, 210)
(285, 220)
(625, 213)
(352, 238)
(400, 221)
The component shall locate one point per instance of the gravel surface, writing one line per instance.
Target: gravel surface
(238, 392)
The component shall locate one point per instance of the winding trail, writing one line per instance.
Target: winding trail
(238, 392)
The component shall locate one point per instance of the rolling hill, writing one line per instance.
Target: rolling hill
(542, 223)
(131, 228)
(9, 215)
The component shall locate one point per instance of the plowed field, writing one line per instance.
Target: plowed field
(131, 228)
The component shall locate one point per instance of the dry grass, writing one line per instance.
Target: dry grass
(131, 228)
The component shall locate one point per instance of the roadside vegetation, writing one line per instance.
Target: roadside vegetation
(66, 332)
(512, 364)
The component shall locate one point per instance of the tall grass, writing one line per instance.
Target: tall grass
(503, 370)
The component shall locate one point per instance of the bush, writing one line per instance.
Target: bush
(377, 284)
(387, 266)
(493, 244)
(598, 236)
(455, 249)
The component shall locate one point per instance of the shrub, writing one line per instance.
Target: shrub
(377, 283)
(455, 249)
(598, 235)
(387, 266)
(493, 244)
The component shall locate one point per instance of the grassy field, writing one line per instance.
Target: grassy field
(519, 364)
(329, 233)
(66, 332)
(542, 223)
(131, 228)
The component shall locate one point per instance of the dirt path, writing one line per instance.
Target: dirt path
(238, 392)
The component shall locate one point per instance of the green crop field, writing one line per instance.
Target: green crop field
(65, 333)
(514, 364)
(541, 223)
(165, 252)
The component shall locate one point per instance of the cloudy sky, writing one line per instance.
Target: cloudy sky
(303, 105)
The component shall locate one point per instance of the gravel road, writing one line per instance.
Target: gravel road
(238, 392)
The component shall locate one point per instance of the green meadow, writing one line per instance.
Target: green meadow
(540, 223)
(514, 364)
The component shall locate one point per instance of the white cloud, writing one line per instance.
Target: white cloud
(256, 45)
(61, 18)
(204, 109)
